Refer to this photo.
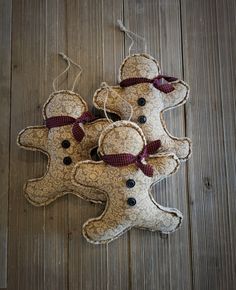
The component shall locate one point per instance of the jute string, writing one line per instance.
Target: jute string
(131, 35)
(69, 62)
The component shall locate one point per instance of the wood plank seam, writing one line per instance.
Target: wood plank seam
(187, 165)
(225, 140)
(9, 145)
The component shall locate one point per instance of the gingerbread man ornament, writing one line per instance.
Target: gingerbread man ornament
(150, 94)
(69, 135)
(125, 174)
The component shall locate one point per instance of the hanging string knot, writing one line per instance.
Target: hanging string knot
(124, 159)
(77, 131)
(121, 25)
(104, 85)
(109, 89)
(130, 34)
(69, 62)
(65, 57)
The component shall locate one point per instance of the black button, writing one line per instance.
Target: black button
(130, 183)
(131, 201)
(65, 144)
(141, 102)
(67, 160)
(142, 119)
(94, 154)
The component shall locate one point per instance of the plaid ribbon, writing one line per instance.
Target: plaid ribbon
(161, 82)
(124, 159)
(77, 131)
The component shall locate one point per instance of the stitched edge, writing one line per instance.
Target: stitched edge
(93, 122)
(60, 92)
(103, 213)
(118, 124)
(171, 210)
(95, 103)
(137, 54)
(182, 102)
(50, 200)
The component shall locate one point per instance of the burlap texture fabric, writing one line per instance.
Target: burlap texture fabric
(148, 112)
(127, 188)
(62, 149)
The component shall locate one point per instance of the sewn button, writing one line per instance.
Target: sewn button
(141, 102)
(65, 144)
(67, 160)
(130, 183)
(142, 119)
(131, 201)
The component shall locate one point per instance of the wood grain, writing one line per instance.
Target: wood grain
(211, 216)
(38, 236)
(165, 259)
(226, 21)
(26, 234)
(5, 93)
(118, 258)
(42, 248)
(87, 267)
(54, 40)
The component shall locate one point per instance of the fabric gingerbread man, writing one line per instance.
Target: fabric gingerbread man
(125, 175)
(69, 135)
(150, 94)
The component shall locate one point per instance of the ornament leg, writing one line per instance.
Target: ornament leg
(42, 191)
(159, 218)
(105, 229)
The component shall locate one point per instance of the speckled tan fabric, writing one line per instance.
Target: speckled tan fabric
(57, 180)
(119, 216)
(142, 65)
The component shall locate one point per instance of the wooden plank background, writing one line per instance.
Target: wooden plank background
(42, 248)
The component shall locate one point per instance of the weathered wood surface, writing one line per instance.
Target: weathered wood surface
(169, 265)
(5, 88)
(38, 237)
(42, 248)
(208, 49)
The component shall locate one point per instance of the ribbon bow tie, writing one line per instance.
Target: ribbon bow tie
(77, 131)
(161, 82)
(124, 159)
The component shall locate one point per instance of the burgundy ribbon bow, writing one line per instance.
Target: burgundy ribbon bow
(161, 82)
(77, 131)
(124, 159)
